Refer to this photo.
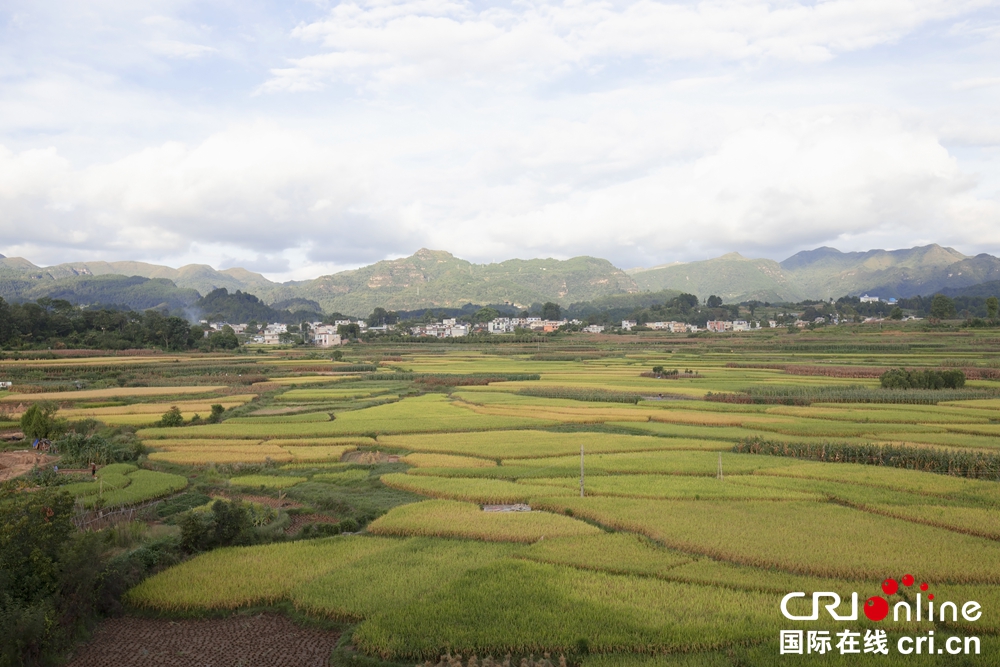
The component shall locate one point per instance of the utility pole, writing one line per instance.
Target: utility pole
(718, 474)
(581, 471)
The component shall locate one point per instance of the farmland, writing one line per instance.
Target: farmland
(688, 533)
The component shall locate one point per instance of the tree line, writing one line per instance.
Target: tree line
(56, 323)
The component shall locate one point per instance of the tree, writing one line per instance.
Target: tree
(172, 417)
(216, 415)
(486, 314)
(378, 317)
(713, 301)
(942, 307)
(896, 314)
(349, 331)
(992, 306)
(551, 311)
(39, 421)
(49, 577)
(7, 329)
(225, 339)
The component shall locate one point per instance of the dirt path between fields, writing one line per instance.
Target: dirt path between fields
(265, 640)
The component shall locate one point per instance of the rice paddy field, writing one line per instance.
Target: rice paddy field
(776, 465)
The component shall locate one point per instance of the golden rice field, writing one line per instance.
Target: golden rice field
(115, 392)
(660, 563)
(503, 444)
(449, 518)
(814, 538)
(157, 408)
(489, 491)
(429, 413)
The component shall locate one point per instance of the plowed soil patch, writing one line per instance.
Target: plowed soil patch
(262, 500)
(263, 641)
(300, 520)
(15, 464)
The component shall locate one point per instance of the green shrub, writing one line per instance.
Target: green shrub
(172, 417)
(82, 450)
(900, 378)
(228, 524)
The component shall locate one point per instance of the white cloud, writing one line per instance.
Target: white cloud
(635, 130)
(979, 82)
(177, 49)
(404, 42)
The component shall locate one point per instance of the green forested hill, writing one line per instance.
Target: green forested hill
(200, 277)
(825, 273)
(428, 279)
(437, 279)
(733, 277)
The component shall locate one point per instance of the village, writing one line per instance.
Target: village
(339, 332)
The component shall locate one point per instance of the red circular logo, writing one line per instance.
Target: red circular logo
(876, 608)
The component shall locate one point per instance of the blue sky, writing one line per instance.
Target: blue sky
(301, 138)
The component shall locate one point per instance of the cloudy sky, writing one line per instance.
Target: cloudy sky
(297, 138)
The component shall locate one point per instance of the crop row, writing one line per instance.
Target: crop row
(970, 463)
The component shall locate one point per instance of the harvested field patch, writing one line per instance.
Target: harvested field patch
(300, 520)
(264, 640)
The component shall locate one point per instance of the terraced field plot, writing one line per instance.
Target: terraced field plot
(659, 558)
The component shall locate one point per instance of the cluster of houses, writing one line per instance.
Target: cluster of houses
(875, 299)
(510, 324)
(450, 328)
(327, 335)
(319, 334)
(713, 325)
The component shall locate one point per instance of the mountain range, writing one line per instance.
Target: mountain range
(438, 279)
(824, 273)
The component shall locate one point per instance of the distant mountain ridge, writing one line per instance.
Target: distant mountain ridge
(431, 279)
(427, 279)
(825, 273)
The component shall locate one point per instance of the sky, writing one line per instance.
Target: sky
(299, 138)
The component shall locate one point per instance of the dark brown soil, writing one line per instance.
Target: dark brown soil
(265, 640)
(284, 503)
(300, 520)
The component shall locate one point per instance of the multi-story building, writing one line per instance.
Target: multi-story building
(325, 335)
